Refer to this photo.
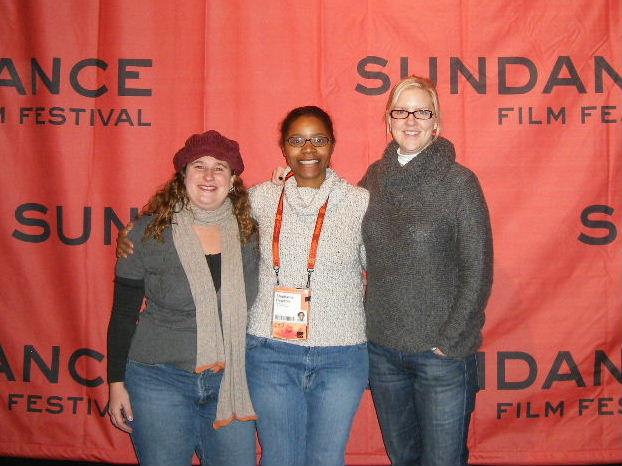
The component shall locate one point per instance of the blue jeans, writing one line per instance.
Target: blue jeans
(424, 404)
(306, 399)
(173, 415)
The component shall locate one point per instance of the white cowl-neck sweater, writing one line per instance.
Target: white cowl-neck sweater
(337, 316)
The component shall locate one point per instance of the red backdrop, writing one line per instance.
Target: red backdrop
(96, 96)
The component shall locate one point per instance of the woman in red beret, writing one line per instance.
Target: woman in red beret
(177, 370)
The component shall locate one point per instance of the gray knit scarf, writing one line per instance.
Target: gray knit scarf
(218, 348)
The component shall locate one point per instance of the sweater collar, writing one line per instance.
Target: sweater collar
(440, 149)
(427, 168)
(332, 186)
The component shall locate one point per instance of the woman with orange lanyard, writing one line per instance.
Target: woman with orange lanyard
(307, 378)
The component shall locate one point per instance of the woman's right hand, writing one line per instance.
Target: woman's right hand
(125, 247)
(119, 406)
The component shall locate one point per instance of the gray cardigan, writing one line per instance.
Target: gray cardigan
(166, 330)
(429, 253)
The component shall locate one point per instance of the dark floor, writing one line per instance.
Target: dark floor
(6, 461)
(12, 461)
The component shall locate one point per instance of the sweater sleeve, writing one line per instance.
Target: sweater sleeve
(362, 251)
(128, 298)
(129, 293)
(462, 329)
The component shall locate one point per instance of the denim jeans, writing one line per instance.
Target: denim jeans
(306, 399)
(173, 415)
(424, 404)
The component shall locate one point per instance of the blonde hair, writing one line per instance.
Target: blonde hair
(421, 83)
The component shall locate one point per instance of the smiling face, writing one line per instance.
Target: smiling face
(308, 163)
(207, 182)
(411, 134)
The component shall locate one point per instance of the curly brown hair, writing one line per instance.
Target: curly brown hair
(173, 194)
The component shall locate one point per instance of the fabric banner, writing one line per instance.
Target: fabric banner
(96, 96)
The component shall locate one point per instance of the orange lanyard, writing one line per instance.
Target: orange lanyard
(276, 238)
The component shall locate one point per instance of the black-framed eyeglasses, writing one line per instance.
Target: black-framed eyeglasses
(316, 141)
(399, 114)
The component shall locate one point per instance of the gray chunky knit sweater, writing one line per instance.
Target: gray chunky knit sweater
(337, 316)
(429, 253)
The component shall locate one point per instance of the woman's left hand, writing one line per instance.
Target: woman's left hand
(278, 176)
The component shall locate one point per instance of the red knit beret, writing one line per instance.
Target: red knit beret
(210, 143)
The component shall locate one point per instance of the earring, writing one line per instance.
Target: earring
(232, 189)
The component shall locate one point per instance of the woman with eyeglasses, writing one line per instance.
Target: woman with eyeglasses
(307, 378)
(430, 263)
